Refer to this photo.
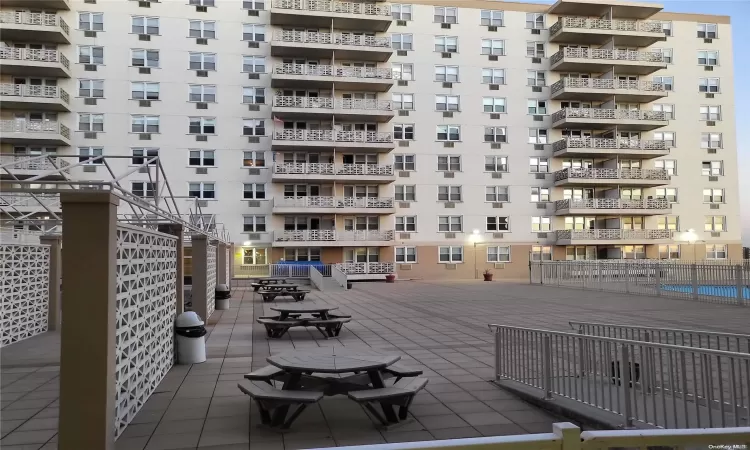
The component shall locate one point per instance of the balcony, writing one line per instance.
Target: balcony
(329, 139)
(317, 172)
(39, 4)
(601, 89)
(303, 108)
(25, 166)
(23, 26)
(612, 206)
(365, 16)
(636, 148)
(618, 177)
(322, 45)
(34, 62)
(38, 98)
(604, 119)
(594, 31)
(322, 77)
(613, 236)
(333, 205)
(333, 238)
(30, 133)
(366, 270)
(602, 60)
(26, 203)
(601, 8)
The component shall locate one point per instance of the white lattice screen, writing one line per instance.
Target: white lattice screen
(24, 291)
(229, 262)
(210, 279)
(145, 314)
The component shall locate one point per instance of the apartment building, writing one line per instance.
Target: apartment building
(430, 139)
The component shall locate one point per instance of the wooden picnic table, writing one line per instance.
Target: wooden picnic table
(302, 308)
(269, 292)
(260, 282)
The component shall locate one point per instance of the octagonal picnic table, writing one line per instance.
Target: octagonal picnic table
(302, 308)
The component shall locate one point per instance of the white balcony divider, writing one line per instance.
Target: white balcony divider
(316, 278)
(613, 234)
(31, 54)
(26, 90)
(604, 54)
(607, 114)
(614, 144)
(366, 104)
(611, 174)
(365, 169)
(285, 101)
(613, 203)
(339, 276)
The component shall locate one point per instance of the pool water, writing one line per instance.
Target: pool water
(716, 291)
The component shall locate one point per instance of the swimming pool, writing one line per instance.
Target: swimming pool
(716, 291)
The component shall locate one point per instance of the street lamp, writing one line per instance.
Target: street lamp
(475, 237)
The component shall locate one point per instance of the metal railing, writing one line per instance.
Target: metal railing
(365, 169)
(290, 270)
(366, 268)
(34, 18)
(316, 70)
(18, 126)
(281, 101)
(335, 202)
(315, 37)
(606, 25)
(607, 114)
(613, 234)
(32, 54)
(332, 169)
(26, 90)
(611, 174)
(332, 235)
(657, 385)
(339, 276)
(606, 84)
(607, 55)
(250, 271)
(613, 203)
(27, 162)
(367, 137)
(366, 104)
(607, 143)
(369, 9)
(19, 200)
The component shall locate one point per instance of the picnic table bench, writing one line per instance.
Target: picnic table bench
(270, 292)
(260, 282)
(290, 315)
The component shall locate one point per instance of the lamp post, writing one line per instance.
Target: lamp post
(475, 238)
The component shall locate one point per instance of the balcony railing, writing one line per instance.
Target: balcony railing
(364, 169)
(332, 71)
(606, 84)
(32, 162)
(25, 199)
(587, 23)
(335, 202)
(32, 54)
(612, 203)
(613, 235)
(328, 103)
(333, 235)
(26, 90)
(366, 104)
(33, 18)
(369, 9)
(609, 144)
(16, 126)
(367, 137)
(332, 169)
(607, 114)
(314, 37)
(362, 268)
(611, 174)
(607, 54)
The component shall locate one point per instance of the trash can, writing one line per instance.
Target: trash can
(223, 295)
(191, 341)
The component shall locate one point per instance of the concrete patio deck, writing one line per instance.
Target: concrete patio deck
(439, 327)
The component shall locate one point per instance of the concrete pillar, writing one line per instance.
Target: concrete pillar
(231, 262)
(176, 229)
(55, 278)
(200, 269)
(87, 348)
(221, 263)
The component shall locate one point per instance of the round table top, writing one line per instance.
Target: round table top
(302, 307)
(332, 360)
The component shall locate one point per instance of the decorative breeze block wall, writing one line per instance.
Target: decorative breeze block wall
(210, 279)
(24, 291)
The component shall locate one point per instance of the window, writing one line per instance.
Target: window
(446, 14)
(403, 131)
(89, 21)
(403, 101)
(144, 58)
(253, 191)
(536, 107)
(666, 136)
(451, 254)
(403, 71)
(447, 103)
(406, 254)
(708, 58)
(535, 20)
(669, 251)
(142, 189)
(144, 124)
(255, 5)
(202, 61)
(88, 54)
(446, 44)
(202, 158)
(253, 95)
(202, 29)
(666, 27)
(405, 162)
(449, 193)
(90, 122)
(252, 256)
(493, 47)
(711, 140)
(535, 49)
(402, 41)
(401, 12)
(202, 125)
(253, 127)
(201, 190)
(253, 32)
(539, 194)
(202, 93)
(252, 158)
(496, 194)
(448, 133)
(493, 104)
(668, 82)
(303, 254)
(633, 252)
(668, 223)
(669, 193)
(91, 88)
(446, 163)
(715, 251)
(495, 134)
(143, 155)
(668, 110)
(541, 224)
(710, 85)
(85, 153)
(493, 76)
(145, 25)
(498, 224)
(201, 2)
(710, 112)
(715, 223)
(713, 195)
(406, 223)
(667, 54)
(446, 73)
(405, 193)
(254, 64)
(670, 165)
(495, 163)
(498, 254)
(538, 165)
(536, 78)
(541, 253)
(537, 136)
(708, 30)
(712, 168)
(144, 91)
(254, 224)
(492, 18)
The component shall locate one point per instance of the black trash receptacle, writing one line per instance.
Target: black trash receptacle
(223, 295)
(191, 341)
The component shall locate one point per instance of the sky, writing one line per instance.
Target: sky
(739, 11)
